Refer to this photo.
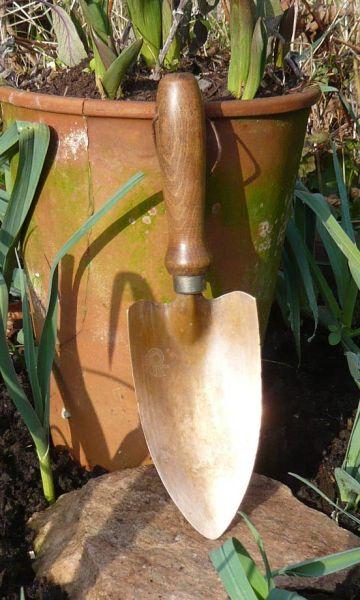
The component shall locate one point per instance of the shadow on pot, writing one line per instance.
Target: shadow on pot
(87, 433)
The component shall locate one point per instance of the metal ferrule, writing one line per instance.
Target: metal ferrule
(189, 284)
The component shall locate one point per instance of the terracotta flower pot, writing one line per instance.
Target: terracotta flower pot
(95, 147)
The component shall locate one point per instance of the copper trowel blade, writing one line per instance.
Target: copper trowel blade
(197, 372)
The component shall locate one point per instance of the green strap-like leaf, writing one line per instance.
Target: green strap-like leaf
(323, 286)
(241, 35)
(96, 17)
(18, 396)
(257, 61)
(9, 138)
(326, 565)
(113, 77)
(345, 209)
(299, 253)
(346, 245)
(236, 570)
(145, 17)
(29, 349)
(33, 145)
(337, 261)
(260, 544)
(172, 58)
(325, 497)
(104, 55)
(349, 487)
(278, 594)
(4, 300)
(48, 336)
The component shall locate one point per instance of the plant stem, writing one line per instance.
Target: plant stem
(350, 303)
(178, 15)
(47, 476)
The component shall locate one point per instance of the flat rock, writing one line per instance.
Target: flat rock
(121, 538)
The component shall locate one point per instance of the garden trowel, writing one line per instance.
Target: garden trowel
(196, 362)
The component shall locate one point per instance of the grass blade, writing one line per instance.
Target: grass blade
(260, 544)
(257, 60)
(241, 34)
(345, 210)
(172, 57)
(349, 487)
(9, 139)
(33, 145)
(299, 253)
(343, 241)
(29, 349)
(325, 497)
(18, 396)
(4, 301)
(235, 568)
(337, 261)
(326, 565)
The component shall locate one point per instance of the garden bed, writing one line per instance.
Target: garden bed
(307, 420)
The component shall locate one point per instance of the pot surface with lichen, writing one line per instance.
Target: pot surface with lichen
(253, 153)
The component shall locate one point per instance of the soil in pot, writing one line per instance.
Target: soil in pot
(211, 70)
(308, 413)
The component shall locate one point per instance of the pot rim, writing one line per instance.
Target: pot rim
(130, 109)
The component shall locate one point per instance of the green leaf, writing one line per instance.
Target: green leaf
(345, 209)
(354, 368)
(29, 350)
(257, 60)
(104, 55)
(343, 241)
(334, 337)
(9, 139)
(113, 77)
(95, 15)
(18, 396)
(351, 462)
(70, 49)
(33, 145)
(278, 594)
(146, 19)
(337, 261)
(349, 488)
(172, 58)
(326, 565)
(48, 335)
(241, 35)
(325, 497)
(4, 301)
(238, 572)
(324, 288)
(299, 253)
(326, 88)
(260, 544)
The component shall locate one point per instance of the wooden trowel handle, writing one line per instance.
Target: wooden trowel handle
(180, 141)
